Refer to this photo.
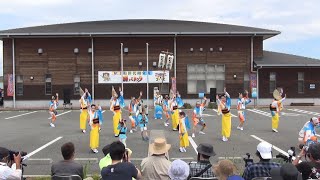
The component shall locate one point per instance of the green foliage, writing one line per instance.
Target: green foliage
(187, 106)
(212, 105)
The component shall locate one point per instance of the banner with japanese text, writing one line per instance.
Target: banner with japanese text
(253, 85)
(10, 90)
(174, 85)
(114, 77)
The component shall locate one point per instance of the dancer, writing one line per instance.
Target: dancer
(183, 132)
(166, 109)
(241, 107)
(276, 107)
(123, 131)
(53, 105)
(175, 103)
(197, 117)
(94, 124)
(133, 112)
(143, 122)
(224, 106)
(308, 132)
(115, 106)
(158, 111)
(85, 102)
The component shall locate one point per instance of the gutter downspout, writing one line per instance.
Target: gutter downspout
(92, 68)
(258, 90)
(251, 54)
(13, 74)
(175, 55)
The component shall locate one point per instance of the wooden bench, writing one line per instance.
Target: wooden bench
(302, 104)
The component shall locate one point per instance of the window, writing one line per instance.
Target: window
(164, 88)
(76, 82)
(48, 85)
(202, 77)
(19, 85)
(246, 82)
(300, 82)
(272, 82)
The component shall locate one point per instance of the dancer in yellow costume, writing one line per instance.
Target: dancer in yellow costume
(224, 106)
(183, 132)
(94, 133)
(116, 104)
(275, 108)
(85, 102)
(175, 103)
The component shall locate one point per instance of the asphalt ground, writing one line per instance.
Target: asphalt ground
(30, 131)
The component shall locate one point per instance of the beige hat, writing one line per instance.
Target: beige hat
(159, 146)
(114, 93)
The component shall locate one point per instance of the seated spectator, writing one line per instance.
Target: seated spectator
(226, 170)
(202, 168)
(179, 170)
(285, 172)
(263, 167)
(7, 171)
(67, 166)
(309, 169)
(120, 168)
(106, 161)
(157, 165)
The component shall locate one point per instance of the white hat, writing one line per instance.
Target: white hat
(179, 170)
(265, 149)
(315, 120)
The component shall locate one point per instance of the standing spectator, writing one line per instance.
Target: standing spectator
(202, 168)
(120, 168)
(179, 170)
(263, 167)
(309, 169)
(67, 166)
(157, 165)
(1, 97)
(6, 172)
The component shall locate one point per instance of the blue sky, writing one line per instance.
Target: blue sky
(298, 21)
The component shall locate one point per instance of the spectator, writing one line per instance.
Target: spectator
(286, 172)
(263, 167)
(307, 134)
(118, 169)
(226, 170)
(157, 165)
(179, 170)
(67, 166)
(6, 169)
(106, 161)
(309, 169)
(202, 168)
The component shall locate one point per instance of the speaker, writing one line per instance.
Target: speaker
(213, 93)
(66, 96)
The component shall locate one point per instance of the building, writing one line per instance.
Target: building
(63, 57)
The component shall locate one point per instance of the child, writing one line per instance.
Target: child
(143, 121)
(122, 127)
(183, 132)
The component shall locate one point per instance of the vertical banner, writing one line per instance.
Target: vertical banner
(169, 61)
(10, 85)
(253, 85)
(162, 60)
(174, 85)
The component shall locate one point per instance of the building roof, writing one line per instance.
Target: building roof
(138, 27)
(275, 59)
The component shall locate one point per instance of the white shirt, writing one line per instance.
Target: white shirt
(7, 173)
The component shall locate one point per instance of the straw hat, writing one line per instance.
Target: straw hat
(159, 146)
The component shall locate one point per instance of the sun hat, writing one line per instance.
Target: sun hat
(159, 146)
(206, 149)
(179, 170)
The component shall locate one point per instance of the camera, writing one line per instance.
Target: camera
(291, 153)
(11, 153)
(247, 160)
